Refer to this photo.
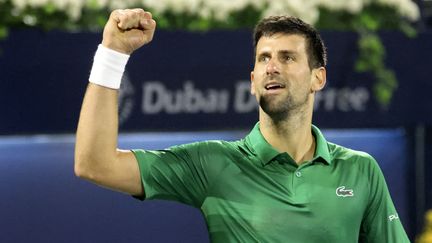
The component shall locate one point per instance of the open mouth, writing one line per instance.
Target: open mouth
(274, 86)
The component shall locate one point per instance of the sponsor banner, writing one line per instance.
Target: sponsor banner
(196, 81)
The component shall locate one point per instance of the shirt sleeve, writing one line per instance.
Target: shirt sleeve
(180, 173)
(381, 222)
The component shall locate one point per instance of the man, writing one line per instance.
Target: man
(282, 183)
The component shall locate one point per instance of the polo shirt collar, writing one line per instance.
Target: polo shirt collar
(321, 149)
(265, 152)
(259, 146)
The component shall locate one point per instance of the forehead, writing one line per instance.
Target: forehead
(282, 42)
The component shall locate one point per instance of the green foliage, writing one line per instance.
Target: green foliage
(245, 18)
(371, 58)
(3, 32)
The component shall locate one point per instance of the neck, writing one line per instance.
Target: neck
(292, 135)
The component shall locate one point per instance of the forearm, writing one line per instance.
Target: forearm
(96, 155)
(96, 137)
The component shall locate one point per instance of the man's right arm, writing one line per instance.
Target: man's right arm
(96, 155)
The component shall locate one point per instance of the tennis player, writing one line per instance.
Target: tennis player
(282, 183)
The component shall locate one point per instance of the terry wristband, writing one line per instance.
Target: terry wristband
(108, 67)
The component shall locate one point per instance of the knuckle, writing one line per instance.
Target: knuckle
(134, 15)
(148, 14)
(139, 10)
(122, 18)
(118, 11)
(114, 13)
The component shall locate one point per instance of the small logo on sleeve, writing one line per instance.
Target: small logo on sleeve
(393, 217)
(342, 192)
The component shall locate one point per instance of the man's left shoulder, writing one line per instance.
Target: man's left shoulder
(342, 154)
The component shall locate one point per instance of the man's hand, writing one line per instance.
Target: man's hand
(128, 30)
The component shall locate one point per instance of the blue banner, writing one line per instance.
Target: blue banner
(197, 81)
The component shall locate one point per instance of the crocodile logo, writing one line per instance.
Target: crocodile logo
(341, 192)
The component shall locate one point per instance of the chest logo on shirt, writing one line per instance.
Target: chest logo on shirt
(342, 192)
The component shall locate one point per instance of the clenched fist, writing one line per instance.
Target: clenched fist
(128, 30)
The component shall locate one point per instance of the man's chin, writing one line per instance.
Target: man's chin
(273, 104)
(273, 109)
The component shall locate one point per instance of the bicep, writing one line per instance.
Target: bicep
(178, 173)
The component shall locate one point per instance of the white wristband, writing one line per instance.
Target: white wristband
(108, 67)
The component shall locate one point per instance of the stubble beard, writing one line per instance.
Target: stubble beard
(281, 109)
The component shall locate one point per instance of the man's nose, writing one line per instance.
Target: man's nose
(272, 67)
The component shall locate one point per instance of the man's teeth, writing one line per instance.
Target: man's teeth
(274, 86)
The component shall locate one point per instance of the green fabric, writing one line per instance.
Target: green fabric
(249, 192)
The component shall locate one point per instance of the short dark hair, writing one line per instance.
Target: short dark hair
(315, 48)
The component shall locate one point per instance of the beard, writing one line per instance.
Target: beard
(281, 108)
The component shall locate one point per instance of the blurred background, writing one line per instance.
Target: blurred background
(191, 84)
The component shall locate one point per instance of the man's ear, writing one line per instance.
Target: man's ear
(319, 79)
(252, 79)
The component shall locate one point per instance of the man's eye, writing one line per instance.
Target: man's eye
(287, 58)
(263, 58)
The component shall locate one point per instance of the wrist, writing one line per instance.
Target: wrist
(108, 67)
(112, 45)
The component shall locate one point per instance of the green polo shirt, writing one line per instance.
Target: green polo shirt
(249, 192)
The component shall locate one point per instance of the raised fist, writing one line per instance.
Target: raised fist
(128, 30)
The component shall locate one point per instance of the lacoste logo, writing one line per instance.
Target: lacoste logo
(341, 192)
